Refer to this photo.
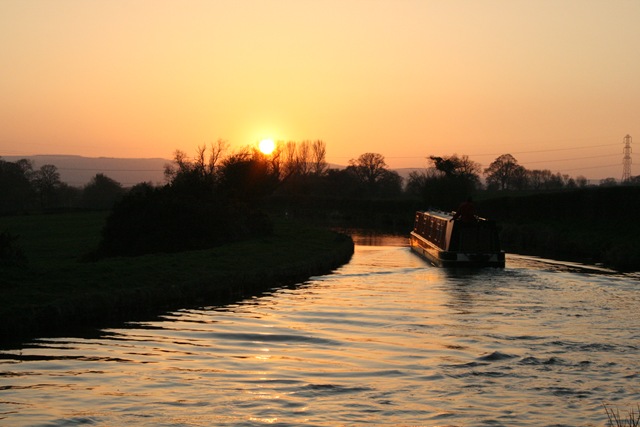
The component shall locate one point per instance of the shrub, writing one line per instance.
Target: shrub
(164, 220)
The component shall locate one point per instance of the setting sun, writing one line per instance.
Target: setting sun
(267, 146)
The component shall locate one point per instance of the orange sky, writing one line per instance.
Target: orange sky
(555, 83)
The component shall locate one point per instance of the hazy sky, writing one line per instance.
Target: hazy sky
(556, 83)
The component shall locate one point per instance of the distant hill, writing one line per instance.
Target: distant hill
(77, 171)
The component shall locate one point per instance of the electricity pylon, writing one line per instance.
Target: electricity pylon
(626, 159)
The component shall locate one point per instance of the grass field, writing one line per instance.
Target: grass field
(52, 240)
(57, 292)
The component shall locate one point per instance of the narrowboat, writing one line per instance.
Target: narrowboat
(446, 242)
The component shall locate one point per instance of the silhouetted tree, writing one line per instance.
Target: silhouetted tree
(416, 183)
(445, 165)
(505, 173)
(299, 159)
(448, 181)
(371, 169)
(152, 220)
(198, 176)
(438, 190)
(389, 184)
(342, 183)
(204, 163)
(247, 176)
(289, 158)
(519, 179)
(300, 166)
(634, 180)
(46, 182)
(546, 180)
(608, 182)
(15, 187)
(200, 207)
(581, 181)
(304, 158)
(101, 192)
(318, 158)
(462, 168)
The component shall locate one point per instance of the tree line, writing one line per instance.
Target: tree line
(26, 189)
(293, 169)
(218, 196)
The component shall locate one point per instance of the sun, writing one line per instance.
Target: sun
(267, 146)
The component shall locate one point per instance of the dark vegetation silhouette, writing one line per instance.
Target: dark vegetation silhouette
(205, 203)
(293, 170)
(16, 189)
(218, 197)
(11, 255)
(24, 189)
(448, 181)
(594, 225)
(101, 192)
(374, 178)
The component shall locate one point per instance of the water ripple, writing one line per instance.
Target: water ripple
(385, 340)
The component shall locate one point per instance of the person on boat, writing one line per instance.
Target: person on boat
(466, 211)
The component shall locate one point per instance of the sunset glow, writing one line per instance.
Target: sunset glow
(552, 83)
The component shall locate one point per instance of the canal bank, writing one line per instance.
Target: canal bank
(592, 225)
(54, 293)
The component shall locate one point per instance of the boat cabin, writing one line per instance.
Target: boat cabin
(446, 242)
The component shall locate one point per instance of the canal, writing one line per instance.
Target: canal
(384, 340)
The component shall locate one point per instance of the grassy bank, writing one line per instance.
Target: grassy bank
(55, 292)
(598, 225)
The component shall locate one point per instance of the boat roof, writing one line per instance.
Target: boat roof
(439, 214)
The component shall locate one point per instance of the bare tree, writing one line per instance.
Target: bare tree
(290, 163)
(319, 153)
(276, 157)
(46, 181)
(304, 157)
(217, 151)
(182, 164)
(468, 167)
(298, 158)
(198, 163)
(202, 165)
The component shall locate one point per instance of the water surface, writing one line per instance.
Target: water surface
(384, 340)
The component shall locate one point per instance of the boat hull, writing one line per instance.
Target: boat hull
(443, 258)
